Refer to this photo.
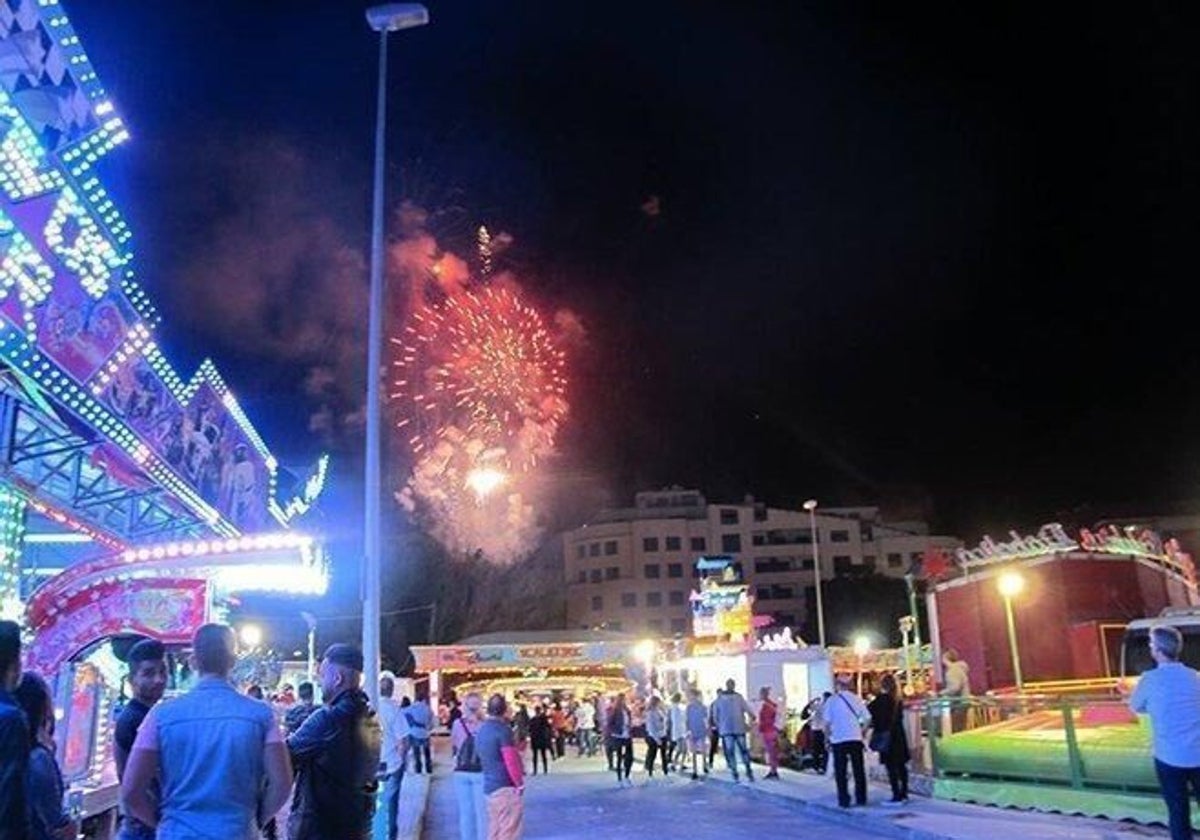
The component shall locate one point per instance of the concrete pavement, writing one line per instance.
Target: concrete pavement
(930, 819)
(579, 798)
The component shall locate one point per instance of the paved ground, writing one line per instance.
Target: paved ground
(578, 799)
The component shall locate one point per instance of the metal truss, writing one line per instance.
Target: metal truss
(58, 465)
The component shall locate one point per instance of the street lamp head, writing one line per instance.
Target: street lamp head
(392, 17)
(810, 505)
(862, 644)
(645, 650)
(1010, 584)
(251, 635)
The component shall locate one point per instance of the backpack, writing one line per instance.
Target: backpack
(467, 758)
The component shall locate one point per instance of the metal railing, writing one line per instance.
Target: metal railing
(1074, 741)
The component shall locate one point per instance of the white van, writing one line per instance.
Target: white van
(1135, 647)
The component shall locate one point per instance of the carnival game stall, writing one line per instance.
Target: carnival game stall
(729, 642)
(532, 665)
(795, 674)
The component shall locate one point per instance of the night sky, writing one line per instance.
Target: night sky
(931, 255)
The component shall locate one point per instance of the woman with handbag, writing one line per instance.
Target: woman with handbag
(888, 737)
(468, 770)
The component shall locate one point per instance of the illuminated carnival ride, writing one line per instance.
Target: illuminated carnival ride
(131, 501)
(1063, 739)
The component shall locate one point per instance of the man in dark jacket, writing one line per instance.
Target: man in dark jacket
(336, 756)
(14, 738)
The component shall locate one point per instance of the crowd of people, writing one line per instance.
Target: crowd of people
(216, 762)
(211, 762)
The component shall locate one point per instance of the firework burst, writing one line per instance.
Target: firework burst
(481, 365)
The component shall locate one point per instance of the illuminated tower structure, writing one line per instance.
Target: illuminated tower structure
(109, 459)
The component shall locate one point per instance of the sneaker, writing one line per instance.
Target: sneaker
(893, 803)
(695, 778)
(771, 775)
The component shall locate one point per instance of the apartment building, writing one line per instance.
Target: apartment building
(633, 569)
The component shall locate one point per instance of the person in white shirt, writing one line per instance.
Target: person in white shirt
(845, 714)
(678, 749)
(393, 751)
(585, 728)
(1170, 694)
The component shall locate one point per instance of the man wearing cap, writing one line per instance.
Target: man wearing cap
(148, 679)
(336, 753)
(218, 755)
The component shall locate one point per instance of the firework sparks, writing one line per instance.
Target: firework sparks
(482, 363)
(484, 239)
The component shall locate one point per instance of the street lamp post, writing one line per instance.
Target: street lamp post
(391, 17)
(811, 507)
(311, 621)
(1010, 585)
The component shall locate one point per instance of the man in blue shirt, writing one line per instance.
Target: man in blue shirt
(503, 773)
(419, 717)
(217, 755)
(14, 738)
(1170, 695)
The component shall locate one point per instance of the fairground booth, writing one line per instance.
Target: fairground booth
(730, 642)
(1052, 627)
(533, 666)
(133, 502)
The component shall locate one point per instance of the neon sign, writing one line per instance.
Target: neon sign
(1052, 538)
(73, 319)
(1049, 539)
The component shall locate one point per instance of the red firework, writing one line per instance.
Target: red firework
(483, 363)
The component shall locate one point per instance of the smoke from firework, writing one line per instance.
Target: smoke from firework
(479, 393)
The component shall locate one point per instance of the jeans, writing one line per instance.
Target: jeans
(728, 743)
(586, 740)
(544, 752)
(472, 806)
(623, 748)
(1174, 782)
(391, 800)
(851, 751)
(420, 747)
(654, 748)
